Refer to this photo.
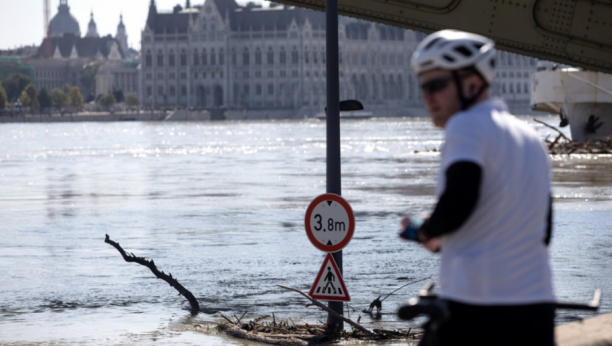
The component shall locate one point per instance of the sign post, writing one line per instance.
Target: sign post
(334, 324)
(330, 225)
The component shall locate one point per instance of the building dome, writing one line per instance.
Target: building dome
(63, 22)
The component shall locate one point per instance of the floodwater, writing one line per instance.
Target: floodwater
(220, 205)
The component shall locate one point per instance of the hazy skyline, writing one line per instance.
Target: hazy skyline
(21, 22)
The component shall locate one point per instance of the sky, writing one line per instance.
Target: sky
(21, 21)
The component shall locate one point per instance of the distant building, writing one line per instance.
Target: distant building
(221, 54)
(513, 80)
(63, 54)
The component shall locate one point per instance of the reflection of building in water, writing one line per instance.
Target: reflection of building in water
(223, 54)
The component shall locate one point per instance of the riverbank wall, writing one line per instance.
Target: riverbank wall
(595, 331)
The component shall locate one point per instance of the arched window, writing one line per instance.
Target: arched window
(526, 88)
(160, 59)
(245, 57)
(400, 87)
(183, 58)
(257, 57)
(221, 57)
(270, 56)
(196, 57)
(204, 57)
(171, 59)
(294, 56)
(283, 56)
(213, 57)
(148, 59)
(314, 56)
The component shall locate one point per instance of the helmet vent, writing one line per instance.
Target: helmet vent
(492, 62)
(448, 58)
(426, 63)
(463, 51)
(431, 43)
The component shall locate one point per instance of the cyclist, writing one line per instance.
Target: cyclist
(492, 219)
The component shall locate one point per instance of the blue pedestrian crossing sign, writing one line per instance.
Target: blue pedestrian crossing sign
(329, 285)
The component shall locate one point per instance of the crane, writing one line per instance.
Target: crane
(47, 31)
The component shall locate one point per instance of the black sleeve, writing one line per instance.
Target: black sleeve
(548, 236)
(458, 200)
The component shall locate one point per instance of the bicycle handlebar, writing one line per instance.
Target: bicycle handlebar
(428, 304)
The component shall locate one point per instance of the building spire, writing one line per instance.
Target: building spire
(121, 36)
(187, 4)
(92, 28)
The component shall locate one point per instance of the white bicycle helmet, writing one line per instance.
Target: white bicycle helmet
(454, 50)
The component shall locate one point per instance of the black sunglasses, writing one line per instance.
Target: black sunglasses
(435, 85)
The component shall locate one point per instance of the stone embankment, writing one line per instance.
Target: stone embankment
(596, 331)
(85, 116)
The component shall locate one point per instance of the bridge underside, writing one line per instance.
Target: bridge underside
(573, 32)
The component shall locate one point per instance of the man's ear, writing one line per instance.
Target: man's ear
(473, 84)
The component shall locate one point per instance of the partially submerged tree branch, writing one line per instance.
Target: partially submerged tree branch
(552, 127)
(195, 307)
(322, 306)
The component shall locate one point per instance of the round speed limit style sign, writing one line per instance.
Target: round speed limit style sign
(330, 222)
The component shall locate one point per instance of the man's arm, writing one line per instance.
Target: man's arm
(457, 202)
(549, 223)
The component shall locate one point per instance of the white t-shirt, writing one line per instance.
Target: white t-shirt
(498, 255)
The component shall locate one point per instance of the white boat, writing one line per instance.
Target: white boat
(582, 98)
(355, 115)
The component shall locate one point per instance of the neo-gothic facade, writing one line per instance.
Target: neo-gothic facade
(221, 54)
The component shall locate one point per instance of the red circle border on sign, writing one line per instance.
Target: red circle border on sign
(351, 217)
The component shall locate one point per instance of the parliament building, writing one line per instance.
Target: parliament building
(225, 55)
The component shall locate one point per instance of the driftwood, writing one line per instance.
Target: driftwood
(195, 307)
(238, 332)
(563, 145)
(377, 303)
(322, 306)
(553, 128)
(597, 146)
(285, 333)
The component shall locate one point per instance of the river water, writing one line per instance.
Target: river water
(220, 205)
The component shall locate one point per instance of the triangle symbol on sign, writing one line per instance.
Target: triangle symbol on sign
(329, 243)
(329, 202)
(329, 284)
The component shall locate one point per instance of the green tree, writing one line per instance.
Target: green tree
(44, 98)
(14, 85)
(107, 100)
(59, 98)
(3, 98)
(88, 77)
(75, 99)
(66, 88)
(29, 98)
(132, 101)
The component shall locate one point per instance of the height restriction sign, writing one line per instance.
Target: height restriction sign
(329, 222)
